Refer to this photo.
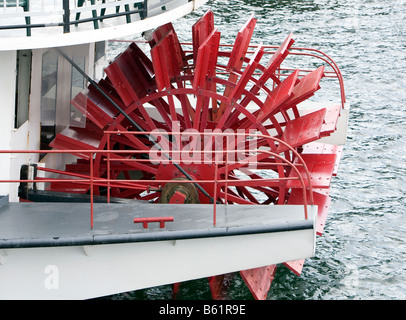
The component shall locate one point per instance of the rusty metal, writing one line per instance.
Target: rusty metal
(174, 192)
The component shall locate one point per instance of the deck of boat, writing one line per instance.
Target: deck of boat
(43, 242)
(50, 224)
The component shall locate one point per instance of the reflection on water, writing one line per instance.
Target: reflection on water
(362, 253)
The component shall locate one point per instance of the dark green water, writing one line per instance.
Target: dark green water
(362, 252)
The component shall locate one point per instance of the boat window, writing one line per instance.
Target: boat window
(23, 81)
(100, 50)
(78, 83)
(100, 57)
(48, 97)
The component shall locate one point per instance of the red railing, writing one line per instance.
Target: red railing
(294, 51)
(92, 180)
(299, 51)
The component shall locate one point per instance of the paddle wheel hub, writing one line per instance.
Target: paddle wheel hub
(189, 190)
(253, 143)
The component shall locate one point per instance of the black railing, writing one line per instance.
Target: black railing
(98, 13)
(141, 9)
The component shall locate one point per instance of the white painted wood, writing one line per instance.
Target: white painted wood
(7, 98)
(78, 273)
(53, 36)
(87, 271)
(339, 137)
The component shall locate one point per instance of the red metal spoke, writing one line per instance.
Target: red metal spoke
(201, 30)
(236, 58)
(205, 64)
(235, 199)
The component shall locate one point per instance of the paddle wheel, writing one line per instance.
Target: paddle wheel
(234, 101)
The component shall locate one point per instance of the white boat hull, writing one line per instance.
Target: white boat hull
(83, 272)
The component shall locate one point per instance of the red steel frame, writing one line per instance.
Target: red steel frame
(302, 169)
(92, 181)
(234, 68)
(335, 73)
(296, 51)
